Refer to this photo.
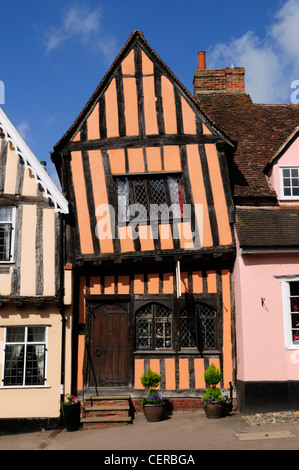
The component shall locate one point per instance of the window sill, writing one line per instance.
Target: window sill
(4, 387)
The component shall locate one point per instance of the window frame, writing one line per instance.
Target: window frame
(153, 304)
(12, 222)
(287, 323)
(25, 343)
(282, 195)
(147, 177)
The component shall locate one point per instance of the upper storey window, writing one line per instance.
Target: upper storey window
(7, 217)
(289, 178)
(158, 197)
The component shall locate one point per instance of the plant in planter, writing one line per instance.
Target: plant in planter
(71, 412)
(153, 404)
(215, 403)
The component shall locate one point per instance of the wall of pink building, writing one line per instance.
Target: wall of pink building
(289, 158)
(261, 354)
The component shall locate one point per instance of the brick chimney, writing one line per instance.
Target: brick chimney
(231, 79)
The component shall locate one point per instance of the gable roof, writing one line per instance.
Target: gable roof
(30, 161)
(286, 144)
(135, 37)
(259, 130)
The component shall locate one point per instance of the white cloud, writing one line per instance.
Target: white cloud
(272, 62)
(80, 23)
(23, 128)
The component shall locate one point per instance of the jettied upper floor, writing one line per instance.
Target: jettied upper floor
(143, 140)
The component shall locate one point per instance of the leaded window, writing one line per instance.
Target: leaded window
(188, 329)
(25, 356)
(157, 197)
(208, 325)
(153, 327)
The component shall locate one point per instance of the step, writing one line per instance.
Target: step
(96, 422)
(106, 411)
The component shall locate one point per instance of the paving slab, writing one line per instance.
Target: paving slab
(180, 433)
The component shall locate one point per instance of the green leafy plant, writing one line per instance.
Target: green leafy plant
(151, 379)
(212, 375)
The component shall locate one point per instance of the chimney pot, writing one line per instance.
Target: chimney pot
(202, 60)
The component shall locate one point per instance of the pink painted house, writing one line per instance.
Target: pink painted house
(264, 172)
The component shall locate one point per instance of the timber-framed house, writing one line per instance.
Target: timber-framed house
(35, 296)
(152, 285)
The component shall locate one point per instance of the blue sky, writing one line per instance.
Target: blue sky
(55, 53)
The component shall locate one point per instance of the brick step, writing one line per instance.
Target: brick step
(106, 411)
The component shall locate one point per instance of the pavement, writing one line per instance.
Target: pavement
(178, 435)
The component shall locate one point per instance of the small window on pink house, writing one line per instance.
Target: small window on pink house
(289, 182)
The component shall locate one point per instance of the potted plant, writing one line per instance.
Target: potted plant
(215, 403)
(153, 403)
(71, 412)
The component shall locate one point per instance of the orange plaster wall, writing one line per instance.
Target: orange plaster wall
(128, 64)
(81, 347)
(153, 283)
(109, 285)
(197, 282)
(227, 335)
(150, 114)
(189, 122)
(126, 241)
(168, 106)
(172, 160)
(139, 284)
(131, 106)
(168, 283)
(198, 190)
(112, 110)
(117, 161)
(211, 280)
(123, 284)
(100, 195)
(218, 195)
(166, 240)
(147, 64)
(184, 373)
(81, 203)
(93, 126)
(139, 371)
(170, 374)
(199, 370)
(146, 238)
(136, 160)
(153, 158)
(95, 287)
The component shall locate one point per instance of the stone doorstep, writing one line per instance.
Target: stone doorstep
(110, 410)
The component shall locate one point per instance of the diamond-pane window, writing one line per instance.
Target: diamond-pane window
(153, 327)
(188, 329)
(157, 197)
(207, 316)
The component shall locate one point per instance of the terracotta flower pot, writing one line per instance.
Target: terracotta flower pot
(214, 410)
(71, 415)
(153, 412)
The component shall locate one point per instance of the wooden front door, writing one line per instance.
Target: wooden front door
(109, 346)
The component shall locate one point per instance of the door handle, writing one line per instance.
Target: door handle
(98, 351)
